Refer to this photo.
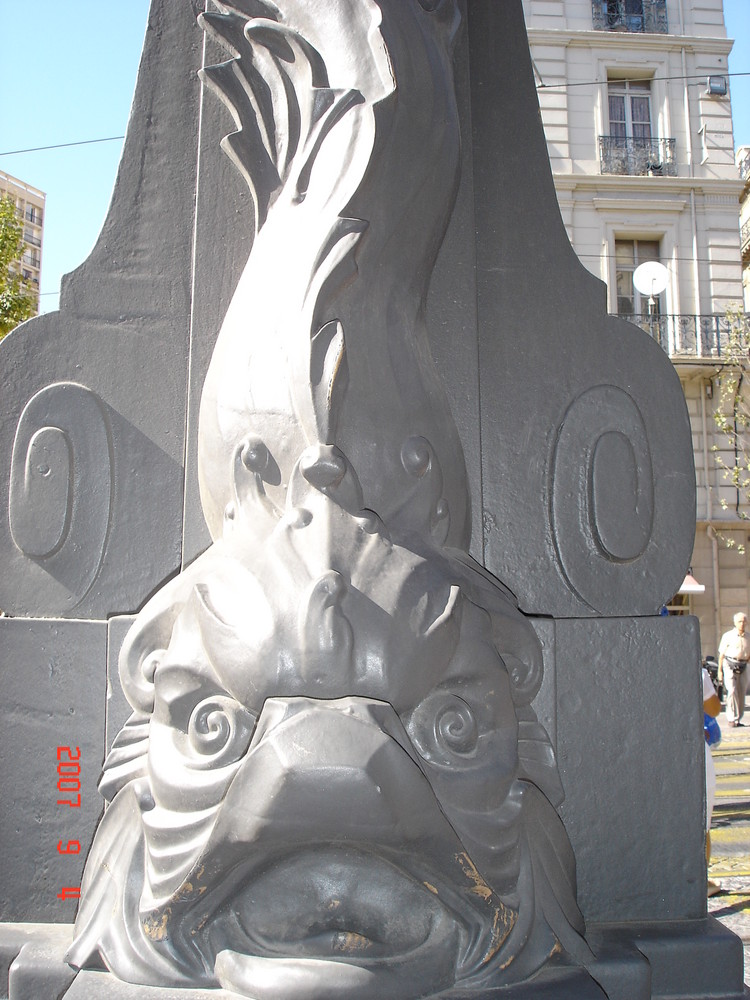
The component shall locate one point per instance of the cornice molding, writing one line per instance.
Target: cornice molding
(634, 41)
(668, 187)
(640, 204)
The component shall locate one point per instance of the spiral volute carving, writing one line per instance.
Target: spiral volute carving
(219, 731)
(444, 727)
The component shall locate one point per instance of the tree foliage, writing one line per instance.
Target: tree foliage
(732, 417)
(16, 302)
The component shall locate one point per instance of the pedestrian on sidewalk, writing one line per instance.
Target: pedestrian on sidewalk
(734, 652)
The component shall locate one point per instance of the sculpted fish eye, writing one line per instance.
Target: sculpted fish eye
(203, 718)
(220, 725)
(444, 726)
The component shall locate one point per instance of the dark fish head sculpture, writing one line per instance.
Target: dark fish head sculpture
(333, 784)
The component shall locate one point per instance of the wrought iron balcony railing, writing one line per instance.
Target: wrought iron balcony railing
(682, 336)
(637, 157)
(745, 238)
(630, 15)
(745, 167)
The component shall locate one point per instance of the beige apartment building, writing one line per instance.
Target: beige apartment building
(635, 101)
(743, 165)
(30, 210)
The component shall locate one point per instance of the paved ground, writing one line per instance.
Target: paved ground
(730, 833)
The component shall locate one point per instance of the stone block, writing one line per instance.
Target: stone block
(103, 986)
(53, 697)
(12, 938)
(689, 959)
(630, 752)
(557, 984)
(39, 972)
(692, 960)
(700, 961)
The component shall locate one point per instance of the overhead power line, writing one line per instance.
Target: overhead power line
(581, 256)
(541, 86)
(61, 145)
(632, 79)
(586, 258)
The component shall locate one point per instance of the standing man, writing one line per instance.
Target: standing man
(734, 652)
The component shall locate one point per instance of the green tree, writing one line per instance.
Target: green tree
(16, 303)
(732, 417)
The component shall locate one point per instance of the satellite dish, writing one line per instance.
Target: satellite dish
(651, 278)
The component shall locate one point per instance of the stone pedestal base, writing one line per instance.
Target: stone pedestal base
(680, 960)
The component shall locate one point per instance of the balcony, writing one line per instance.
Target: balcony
(745, 239)
(33, 215)
(637, 157)
(33, 240)
(630, 15)
(685, 337)
(745, 167)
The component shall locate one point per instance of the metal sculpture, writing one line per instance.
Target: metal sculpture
(333, 783)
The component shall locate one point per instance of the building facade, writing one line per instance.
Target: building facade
(30, 206)
(635, 100)
(743, 165)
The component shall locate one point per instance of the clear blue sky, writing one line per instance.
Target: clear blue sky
(68, 73)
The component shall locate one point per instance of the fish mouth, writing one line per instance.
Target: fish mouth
(339, 923)
(330, 862)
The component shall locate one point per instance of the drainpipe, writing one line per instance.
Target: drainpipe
(709, 517)
(715, 565)
(704, 432)
(693, 217)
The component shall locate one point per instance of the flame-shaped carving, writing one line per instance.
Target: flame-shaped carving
(353, 187)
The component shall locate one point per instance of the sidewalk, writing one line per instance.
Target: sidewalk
(730, 833)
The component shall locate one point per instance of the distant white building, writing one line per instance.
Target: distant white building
(635, 101)
(30, 203)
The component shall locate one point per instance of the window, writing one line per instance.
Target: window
(630, 109)
(625, 13)
(630, 147)
(630, 254)
(630, 15)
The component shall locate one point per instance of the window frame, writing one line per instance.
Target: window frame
(639, 301)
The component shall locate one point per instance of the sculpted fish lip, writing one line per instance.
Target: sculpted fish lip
(335, 904)
(320, 919)
(350, 970)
